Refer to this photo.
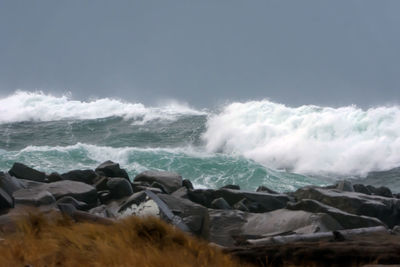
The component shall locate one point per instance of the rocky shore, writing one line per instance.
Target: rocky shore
(341, 224)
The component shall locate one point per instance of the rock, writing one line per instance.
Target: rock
(84, 176)
(111, 169)
(258, 201)
(347, 220)
(229, 226)
(220, 203)
(181, 193)
(22, 171)
(54, 177)
(104, 196)
(171, 181)
(80, 205)
(193, 215)
(265, 189)
(240, 205)
(6, 201)
(101, 183)
(9, 183)
(345, 186)
(231, 186)
(136, 199)
(78, 190)
(385, 209)
(380, 191)
(160, 186)
(119, 187)
(152, 189)
(101, 211)
(396, 230)
(187, 183)
(360, 188)
(33, 197)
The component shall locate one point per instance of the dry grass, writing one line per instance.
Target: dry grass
(57, 241)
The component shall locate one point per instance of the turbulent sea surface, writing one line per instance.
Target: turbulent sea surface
(249, 143)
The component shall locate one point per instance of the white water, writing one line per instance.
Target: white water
(38, 106)
(308, 139)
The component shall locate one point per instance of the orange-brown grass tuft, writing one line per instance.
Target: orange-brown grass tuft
(58, 241)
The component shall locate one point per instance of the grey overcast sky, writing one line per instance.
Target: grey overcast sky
(204, 52)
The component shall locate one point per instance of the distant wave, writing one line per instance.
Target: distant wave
(38, 106)
(308, 139)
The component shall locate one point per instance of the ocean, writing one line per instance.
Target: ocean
(244, 143)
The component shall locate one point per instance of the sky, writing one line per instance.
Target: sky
(204, 52)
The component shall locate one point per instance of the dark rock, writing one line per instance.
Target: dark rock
(385, 209)
(84, 176)
(360, 188)
(6, 201)
(193, 215)
(136, 199)
(345, 186)
(54, 177)
(171, 181)
(102, 211)
(67, 208)
(264, 201)
(181, 193)
(119, 187)
(347, 220)
(231, 186)
(265, 189)
(100, 182)
(152, 189)
(9, 183)
(380, 191)
(220, 203)
(240, 205)
(160, 186)
(187, 183)
(22, 171)
(80, 205)
(33, 197)
(111, 169)
(104, 196)
(227, 226)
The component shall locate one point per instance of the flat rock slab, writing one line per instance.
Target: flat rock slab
(169, 180)
(33, 197)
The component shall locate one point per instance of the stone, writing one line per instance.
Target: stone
(227, 227)
(187, 183)
(265, 189)
(360, 188)
(264, 202)
(170, 180)
(345, 219)
(78, 190)
(119, 187)
(80, 205)
(22, 171)
(380, 191)
(6, 201)
(111, 169)
(193, 215)
(104, 196)
(84, 176)
(181, 193)
(220, 203)
(54, 177)
(231, 186)
(101, 211)
(33, 197)
(345, 186)
(101, 183)
(9, 183)
(385, 209)
(240, 205)
(136, 199)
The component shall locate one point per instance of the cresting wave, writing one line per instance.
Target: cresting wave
(38, 106)
(343, 141)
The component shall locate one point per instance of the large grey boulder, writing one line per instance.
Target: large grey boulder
(22, 171)
(385, 209)
(33, 197)
(119, 187)
(9, 183)
(254, 201)
(111, 169)
(85, 176)
(169, 180)
(78, 190)
(347, 220)
(227, 227)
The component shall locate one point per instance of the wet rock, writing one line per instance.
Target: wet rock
(220, 203)
(170, 180)
(231, 186)
(54, 177)
(80, 205)
(22, 171)
(6, 201)
(345, 186)
(265, 189)
(240, 205)
(347, 220)
(187, 183)
(111, 169)
(385, 209)
(9, 183)
(119, 187)
(229, 226)
(33, 197)
(104, 196)
(100, 183)
(84, 176)
(360, 188)
(380, 191)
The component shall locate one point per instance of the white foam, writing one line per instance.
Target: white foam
(308, 139)
(38, 106)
